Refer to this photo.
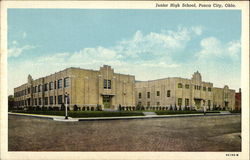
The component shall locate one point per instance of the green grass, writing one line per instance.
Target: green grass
(235, 111)
(79, 114)
(182, 112)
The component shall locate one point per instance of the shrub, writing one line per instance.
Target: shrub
(75, 108)
(119, 107)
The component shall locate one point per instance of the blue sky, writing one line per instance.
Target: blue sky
(149, 44)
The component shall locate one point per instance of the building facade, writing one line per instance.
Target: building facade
(238, 100)
(180, 93)
(86, 89)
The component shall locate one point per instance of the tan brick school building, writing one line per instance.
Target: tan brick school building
(184, 93)
(86, 89)
(89, 89)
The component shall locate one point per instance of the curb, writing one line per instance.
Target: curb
(61, 118)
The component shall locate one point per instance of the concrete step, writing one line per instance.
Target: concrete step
(149, 113)
(110, 110)
(225, 112)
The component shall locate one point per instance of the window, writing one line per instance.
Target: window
(179, 101)
(186, 102)
(158, 103)
(226, 95)
(51, 100)
(55, 85)
(209, 89)
(179, 85)
(158, 93)
(35, 101)
(66, 82)
(59, 83)
(148, 94)
(40, 101)
(55, 99)
(45, 100)
(35, 89)
(195, 87)
(139, 94)
(199, 87)
(187, 86)
(39, 88)
(46, 87)
(204, 88)
(107, 84)
(59, 99)
(28, 90)
(148, 104)
(168, 93)
(51, 85)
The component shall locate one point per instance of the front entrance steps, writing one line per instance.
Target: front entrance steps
(149, 113)
(225, 112)
(109, 110)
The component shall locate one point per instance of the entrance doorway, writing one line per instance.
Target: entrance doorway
(226, 105)
(106, 101)
(197, 103)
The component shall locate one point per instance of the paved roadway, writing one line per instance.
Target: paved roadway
(209, 133)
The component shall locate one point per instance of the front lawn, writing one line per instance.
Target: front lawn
(79, 114)
(169, 112)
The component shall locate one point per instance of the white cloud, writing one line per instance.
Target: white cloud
(24, 35)
(212, 48)
(17, 51)
(197, 30)
(148, 56)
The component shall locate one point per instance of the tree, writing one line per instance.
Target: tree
(11, 102)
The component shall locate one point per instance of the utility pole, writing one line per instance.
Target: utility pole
(66, 106)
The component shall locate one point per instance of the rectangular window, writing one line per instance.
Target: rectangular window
(55, 99)
(55, 85)
(35, 101)
(40, 101)
(168, 93)
(187, 86)
(66, 82)
(179, 85)
(51, 100)
(107, 84)
(59, 99)
(158, 93)
(148, 94)
(148, 104)
(158, 103)
(199, 87)
(186, 102)
(209, 89)
(204, 88)
(59, 83)
(140, 95)
(179, 101)
(35, 89)
(46, 87)
(51, 85)
(28, 90)
(45, 100)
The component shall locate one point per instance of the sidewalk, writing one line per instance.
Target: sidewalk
(70, 119)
